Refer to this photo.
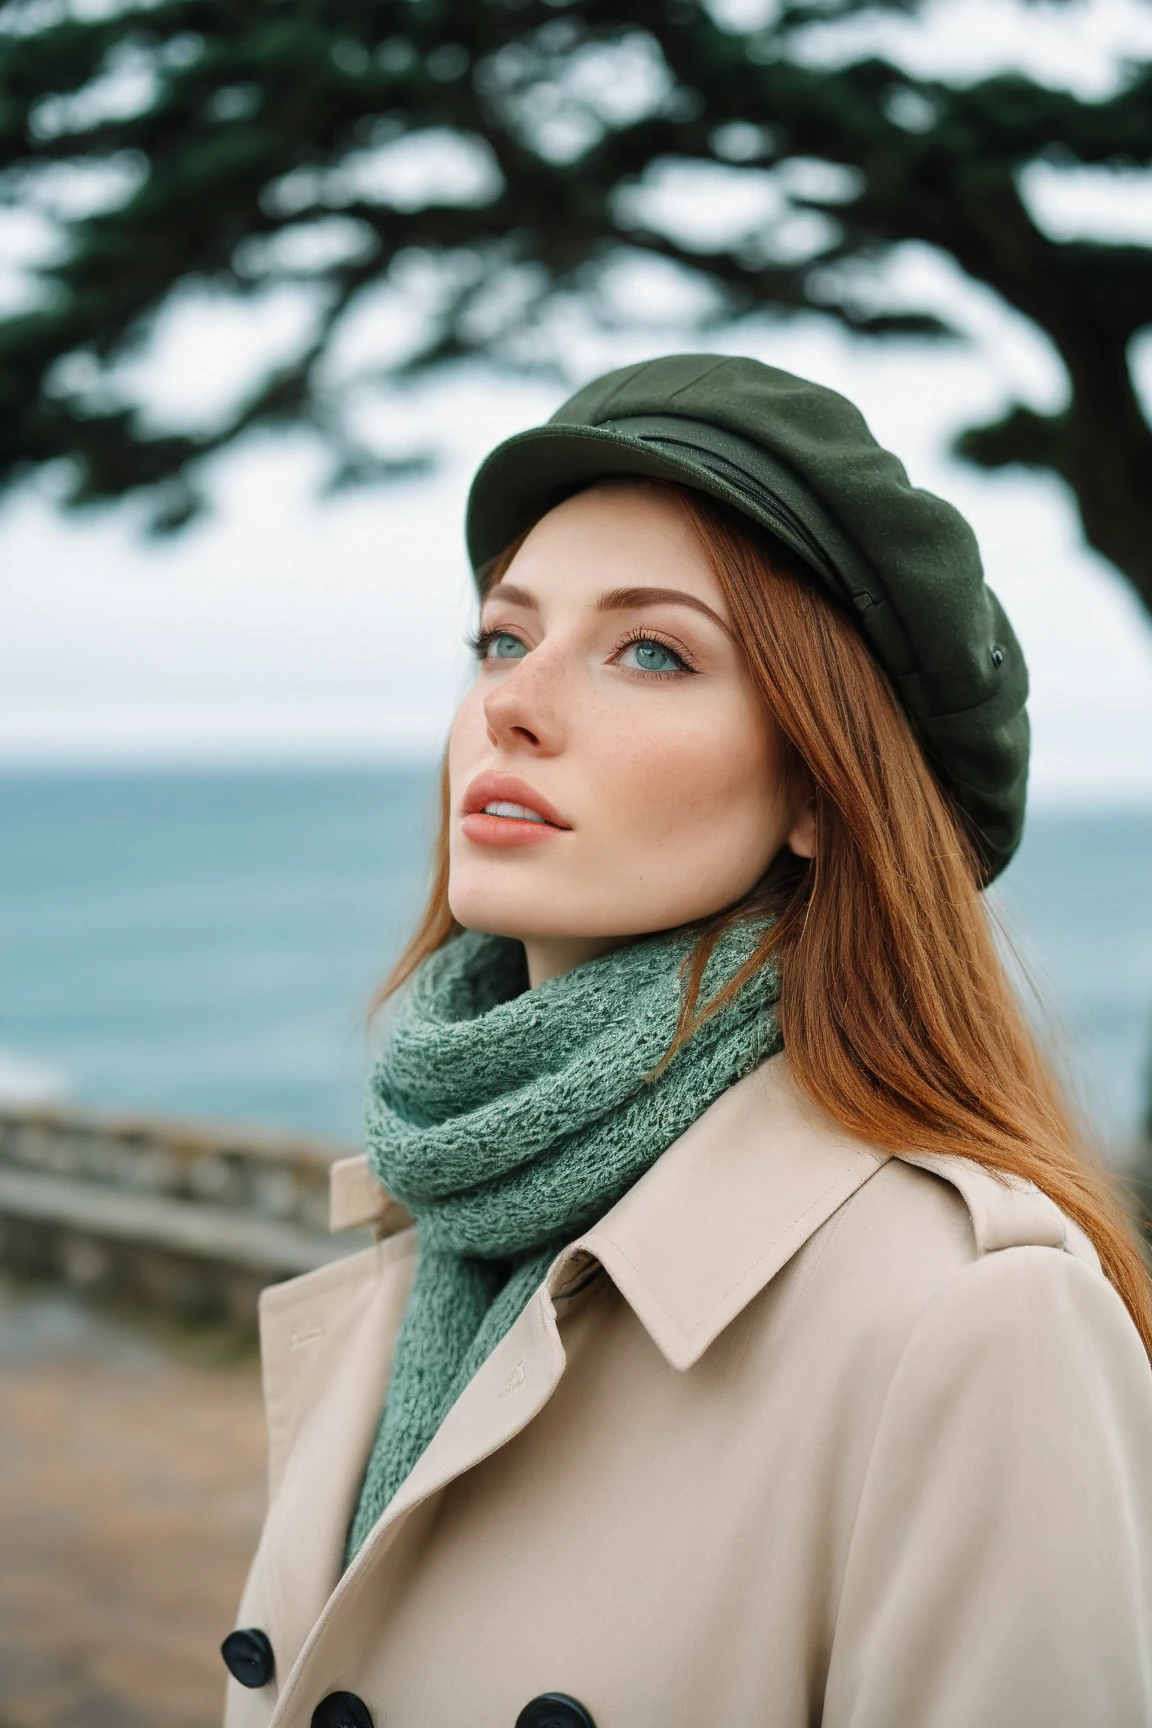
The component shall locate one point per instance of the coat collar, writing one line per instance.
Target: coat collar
(713, 1220)
(725, 1207)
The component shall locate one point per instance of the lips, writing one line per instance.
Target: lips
(510, 789)
(503, 810)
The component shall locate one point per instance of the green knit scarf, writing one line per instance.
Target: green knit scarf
(508, 1120)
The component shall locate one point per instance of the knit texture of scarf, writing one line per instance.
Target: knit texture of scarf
(509, 1120)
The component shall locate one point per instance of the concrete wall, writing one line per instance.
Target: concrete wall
(189, 1217)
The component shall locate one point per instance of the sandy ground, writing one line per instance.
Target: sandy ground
(131, 1490)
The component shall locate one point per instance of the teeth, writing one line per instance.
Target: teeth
(518, 812)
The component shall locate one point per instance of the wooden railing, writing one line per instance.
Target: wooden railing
(192, 1218)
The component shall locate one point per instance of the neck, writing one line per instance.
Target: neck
(552, 956)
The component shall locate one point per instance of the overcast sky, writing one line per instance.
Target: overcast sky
(288, 627)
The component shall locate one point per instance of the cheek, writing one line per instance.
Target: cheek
(467, 740)
(700, 780)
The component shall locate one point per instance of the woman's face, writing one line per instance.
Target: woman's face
(613, 770)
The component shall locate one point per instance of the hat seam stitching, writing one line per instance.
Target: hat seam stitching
(693, 383)
(631, 373)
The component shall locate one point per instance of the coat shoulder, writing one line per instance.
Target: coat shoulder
(919, 1225)
(959, 1211)
(1006, 1211)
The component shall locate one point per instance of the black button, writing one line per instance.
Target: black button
(554, 1710)
(341, 1710)
(248, 1656)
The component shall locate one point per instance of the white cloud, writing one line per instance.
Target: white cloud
(1077, 45)
(1109, 204)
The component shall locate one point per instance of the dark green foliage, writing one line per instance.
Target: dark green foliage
(252, 121)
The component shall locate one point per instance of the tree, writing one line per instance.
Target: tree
(240, 143)
(486, 159)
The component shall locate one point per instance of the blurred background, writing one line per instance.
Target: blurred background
(274, 276)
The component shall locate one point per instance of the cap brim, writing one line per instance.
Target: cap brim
(530, 473)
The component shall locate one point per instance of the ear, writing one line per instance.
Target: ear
(802, 838)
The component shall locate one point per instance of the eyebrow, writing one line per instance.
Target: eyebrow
(615, 600)
(628, 599)
(512, 596)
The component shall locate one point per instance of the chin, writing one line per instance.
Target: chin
(505, 910)
(497, 914)
(508, 895)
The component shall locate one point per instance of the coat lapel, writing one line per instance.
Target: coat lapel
(504, 1395)
(729, 1203)
(326, 1342)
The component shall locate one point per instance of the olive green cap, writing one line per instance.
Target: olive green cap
(800, 461)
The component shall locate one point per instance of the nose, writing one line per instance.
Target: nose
(524, 709)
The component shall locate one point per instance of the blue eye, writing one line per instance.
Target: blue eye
(503, 646)
(650, 656)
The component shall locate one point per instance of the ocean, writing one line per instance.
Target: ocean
(205, 942)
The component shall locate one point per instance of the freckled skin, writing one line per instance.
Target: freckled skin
(657, 752)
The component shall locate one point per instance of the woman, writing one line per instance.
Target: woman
(766, 1351)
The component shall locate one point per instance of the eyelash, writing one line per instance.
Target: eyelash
(478, 642)
(687, 664)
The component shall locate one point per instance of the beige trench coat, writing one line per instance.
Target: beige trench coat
(799, 1434)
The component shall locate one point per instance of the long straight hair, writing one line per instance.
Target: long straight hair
(896, 1013)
